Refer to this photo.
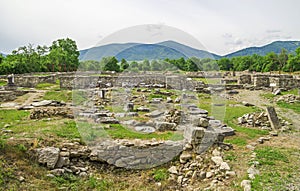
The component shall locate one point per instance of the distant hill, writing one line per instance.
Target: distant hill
(275, 47)
(150, 52)
(137, 51)
(97, 53)
(188, 51)
(174, 50)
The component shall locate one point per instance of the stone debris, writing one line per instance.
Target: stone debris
(288, 98)
(261, 120)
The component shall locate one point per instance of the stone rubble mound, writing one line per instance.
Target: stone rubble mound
(289, 98)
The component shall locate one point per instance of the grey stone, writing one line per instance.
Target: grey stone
(203, 122)
(226, 131)
(184, 157)
(215, 123)
(173, 170)
(62, 161)
(42, 103)
(217, 160)
(145, 129)
(128, 107)
(224, 166)
(48, 156)
(143, 109)
(155, 113)
(165, 126)
(169, 100)
(209, 174)
(246, 184)
(247, 104)
(230, 173)
(272, 115)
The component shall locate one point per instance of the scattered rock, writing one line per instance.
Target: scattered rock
(184, 157)
(173, 170)
(48, 156)
(224, 166)
(217, 160)
(247, 104)
(246, 184)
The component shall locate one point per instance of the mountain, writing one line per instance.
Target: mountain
(275, 47)
(174, 50)
(137, 51)
(188, 51)
(150, 52)
(97, 53)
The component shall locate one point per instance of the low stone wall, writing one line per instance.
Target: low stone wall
(245, 79)
(261, 81)
(137, 158)
(32, 81)
(7, 96)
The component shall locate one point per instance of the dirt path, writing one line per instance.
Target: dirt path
(23, 100)
(255, 98)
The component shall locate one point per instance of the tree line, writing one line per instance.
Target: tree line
(61, 56)
(270, 62)
(112, 64)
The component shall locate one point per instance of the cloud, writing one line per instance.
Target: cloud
(227, 35)
(273, 31)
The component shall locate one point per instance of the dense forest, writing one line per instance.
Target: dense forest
(63, 56)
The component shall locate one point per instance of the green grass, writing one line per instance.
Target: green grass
(293, 91)
(44, 86)
(67, 130)
(268, 155)
(293, 106)
(160, 174)
(269, 181)
(268, 96)
(231, 156)
(12, 117)
(63, 95)
(239, 141)
(120, 132)
(79, 97)
(3, 82)
(209, 80)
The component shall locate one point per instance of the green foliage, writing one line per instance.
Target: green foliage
(160, 174)
(62, 55)
(268, 155)
(270, 62)
(111, 64)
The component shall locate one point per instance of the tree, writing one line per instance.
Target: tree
(111, 65)
(282, 59)
(225, 64)
(124, 64)
(64, 55)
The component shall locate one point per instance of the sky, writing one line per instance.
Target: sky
(219, 26)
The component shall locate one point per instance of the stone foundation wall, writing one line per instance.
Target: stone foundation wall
(32, 81)
(261, 81)
(245, 79)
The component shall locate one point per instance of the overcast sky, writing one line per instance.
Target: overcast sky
(221, 26)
